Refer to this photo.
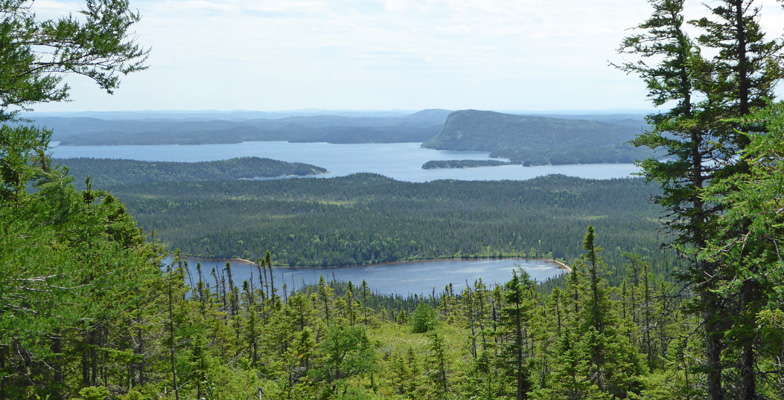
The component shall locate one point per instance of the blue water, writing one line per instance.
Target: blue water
(400, 161)
(408, 278)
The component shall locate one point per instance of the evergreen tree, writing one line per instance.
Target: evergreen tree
(748, 250)
(345, 352)
(700, 133)
(516, 320)
(35, 55)
(438, 363)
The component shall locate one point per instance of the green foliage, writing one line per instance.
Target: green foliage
(704, 138)
(345, 352)
(516, 323)
(74, 263)
(747, 249)
(94, 393)
(85, 307)
(423, 319)
(362, 219)
(36, 54)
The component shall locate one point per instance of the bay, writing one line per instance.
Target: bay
(399, 161)
(404, 278)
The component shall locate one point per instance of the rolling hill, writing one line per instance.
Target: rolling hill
(539, 140)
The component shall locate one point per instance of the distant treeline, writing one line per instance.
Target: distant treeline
(437, 164)
(367, 218)
(109, 172)
(523, 139)
(416, 127)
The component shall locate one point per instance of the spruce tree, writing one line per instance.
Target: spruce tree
(748, 250)
(699, 135)
(516, 320)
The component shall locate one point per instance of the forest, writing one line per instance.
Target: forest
(88, 309)
(537, 140)
(367, 218)
(435, 164)
(108, 173)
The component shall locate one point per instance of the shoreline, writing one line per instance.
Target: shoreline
(558, 264)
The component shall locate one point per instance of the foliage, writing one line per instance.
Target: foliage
(747, 249)
(423, 319)
(94, 393)
(704, 136)
(366, 218)
(36, 54)
(86, 309)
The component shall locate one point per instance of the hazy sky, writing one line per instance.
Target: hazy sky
(378, 55)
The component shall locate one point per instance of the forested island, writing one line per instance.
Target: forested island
(436, 164)
(535, 140)
(90, 311)
(106, 173)
(532, 140)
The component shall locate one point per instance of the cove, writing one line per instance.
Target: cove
(402, 278)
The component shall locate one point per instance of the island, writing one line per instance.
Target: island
(536, 140)
(441, 164)
(111, 172)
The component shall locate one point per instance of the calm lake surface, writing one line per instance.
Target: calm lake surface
(399, 161)
(407, 278)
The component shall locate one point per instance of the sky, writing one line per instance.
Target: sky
(278, 55)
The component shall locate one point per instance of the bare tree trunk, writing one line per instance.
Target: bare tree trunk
(171, 337)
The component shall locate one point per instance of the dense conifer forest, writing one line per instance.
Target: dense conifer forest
(367, 218)
(536, 140)
(107, 173)
(88, 310)
(463, 164)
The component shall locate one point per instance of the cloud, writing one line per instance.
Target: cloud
(282, 54)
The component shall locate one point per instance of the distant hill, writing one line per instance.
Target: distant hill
(106, 173)
(540, 140)
(371, 128)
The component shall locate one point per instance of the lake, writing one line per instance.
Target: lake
(405, 278)
(399, 161)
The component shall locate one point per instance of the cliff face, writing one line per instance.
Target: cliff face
(538, 140)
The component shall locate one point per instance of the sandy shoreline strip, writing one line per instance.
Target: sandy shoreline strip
(561, 265)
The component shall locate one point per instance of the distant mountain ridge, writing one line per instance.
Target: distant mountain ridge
(540, 140)
(415, 127)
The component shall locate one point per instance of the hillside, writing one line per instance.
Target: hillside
(539, 140)
(368, 218)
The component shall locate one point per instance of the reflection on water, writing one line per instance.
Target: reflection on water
(408, 278)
